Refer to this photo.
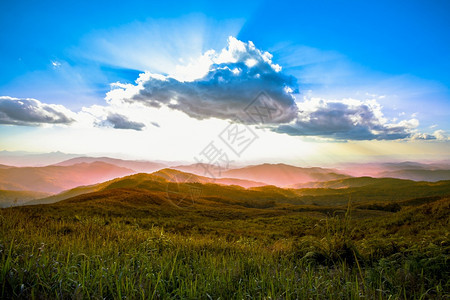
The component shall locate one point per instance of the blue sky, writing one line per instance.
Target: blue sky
(392, 57)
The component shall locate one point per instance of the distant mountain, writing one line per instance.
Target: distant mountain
(418, 174)
(30, 159)
(13, 198)
(283, 175)
(366, 189)
(178, 176)
(203, 169)
(416, 166)
(54, 179)
(199, 169)
(140, 166)
(355, 182)
(382, 169)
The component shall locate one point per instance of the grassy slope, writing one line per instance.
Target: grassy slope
(130, 237)
(133, 242)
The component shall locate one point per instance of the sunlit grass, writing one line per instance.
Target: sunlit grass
(56, 253)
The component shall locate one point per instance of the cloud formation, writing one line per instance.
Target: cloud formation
(347, 119)
(439, 135)
(224, 84)
(119, 121)
(32, 112)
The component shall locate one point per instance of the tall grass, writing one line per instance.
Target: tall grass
(59, 256)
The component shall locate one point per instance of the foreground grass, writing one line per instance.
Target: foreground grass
(63, 252)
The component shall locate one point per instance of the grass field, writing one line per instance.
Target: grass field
(131, 243)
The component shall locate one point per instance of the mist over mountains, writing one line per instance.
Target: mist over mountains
(63, 179)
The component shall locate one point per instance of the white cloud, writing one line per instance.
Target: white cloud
(441, 135)
(56, 64)
(225, 87)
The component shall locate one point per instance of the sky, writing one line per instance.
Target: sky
(301, 82)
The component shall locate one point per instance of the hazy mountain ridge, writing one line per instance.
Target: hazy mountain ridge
(139, 166)
(283, 175)
(54, 179)
(404, 170)
(174, 183)
(80, 175)
(30, 159)
(353, 182)
(5, 167)
(180, 176)
(13, 198)
(418, 174)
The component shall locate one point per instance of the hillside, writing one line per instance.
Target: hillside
(145, 231)
(54, 179)
(283, 175)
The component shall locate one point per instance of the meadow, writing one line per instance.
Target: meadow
(127, 241)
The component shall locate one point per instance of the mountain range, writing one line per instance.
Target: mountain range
(182, 188)
(54, 179)
(80, 175)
